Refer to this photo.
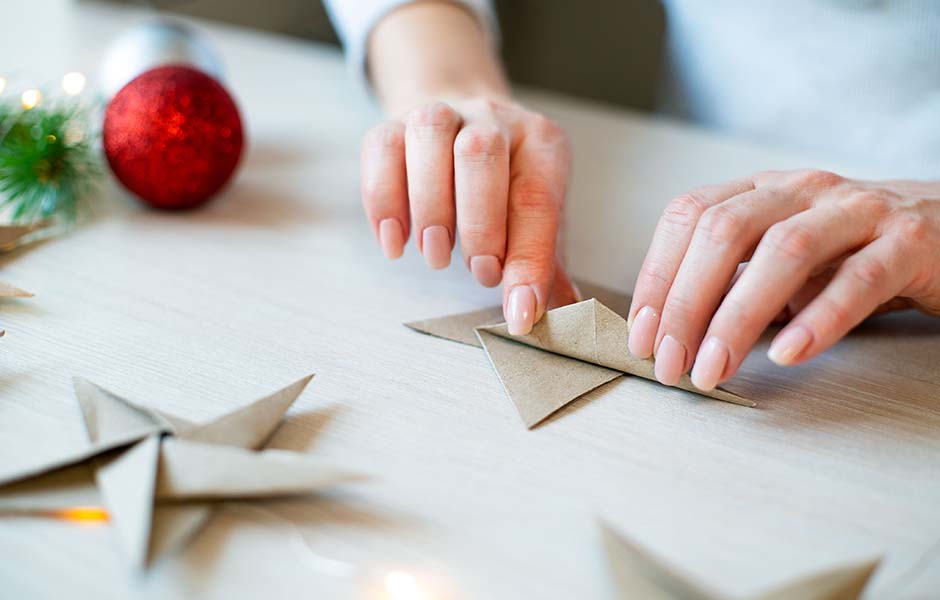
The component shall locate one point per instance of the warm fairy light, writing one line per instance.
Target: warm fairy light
(73, 83)
(83, 514)
(402, 586)
(30, 99)
(3, 84)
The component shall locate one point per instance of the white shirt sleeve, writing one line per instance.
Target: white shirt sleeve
(355, 19)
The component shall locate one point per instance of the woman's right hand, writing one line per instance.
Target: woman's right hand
(488, 169)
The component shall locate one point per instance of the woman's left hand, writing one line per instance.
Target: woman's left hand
(727, 260)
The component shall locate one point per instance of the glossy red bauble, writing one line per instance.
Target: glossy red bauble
(173, 137)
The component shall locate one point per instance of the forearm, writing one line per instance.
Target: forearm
(432, 50)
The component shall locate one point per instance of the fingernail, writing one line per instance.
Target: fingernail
(391, 238)
(486, 269)
(789, 344)
(436, 246)
(670, 361)
(643, 332)
(520, 310)
(709, 364)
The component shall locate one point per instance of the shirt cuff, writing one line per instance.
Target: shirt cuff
(354, 21)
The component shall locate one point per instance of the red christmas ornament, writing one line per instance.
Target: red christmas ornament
(173, 137)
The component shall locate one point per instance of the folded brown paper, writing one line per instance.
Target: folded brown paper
(638, 574)
(12, 237)
(156, 474)
(569, 352)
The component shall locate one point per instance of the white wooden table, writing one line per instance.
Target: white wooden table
(198, 313)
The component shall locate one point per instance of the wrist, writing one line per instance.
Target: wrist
(398, 102)
(426, 51)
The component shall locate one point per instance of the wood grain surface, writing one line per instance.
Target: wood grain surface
(198, 313)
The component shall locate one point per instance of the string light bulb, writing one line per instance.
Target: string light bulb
(83, 514)
(31, 99)
(401, 585)
(73, 83)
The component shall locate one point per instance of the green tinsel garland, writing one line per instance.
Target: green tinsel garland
(47, 160)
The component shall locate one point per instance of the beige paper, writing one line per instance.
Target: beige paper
(10, 291)
(537, 382)
(569, 352)
(141, 459)
(459, 328)
(12, 236)
(591, 332)
(638, 574)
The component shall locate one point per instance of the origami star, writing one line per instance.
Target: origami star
(569, 352)
(638, 574)
(157, 474)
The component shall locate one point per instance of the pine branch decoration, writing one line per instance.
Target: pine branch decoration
(48, 164)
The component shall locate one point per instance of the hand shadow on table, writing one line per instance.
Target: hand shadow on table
(884, 370)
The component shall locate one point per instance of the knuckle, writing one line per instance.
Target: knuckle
(684, 211)
(484, 105)
(817, 178)
(722, 224)
(830, 315)
(681, 309)
(480, 143)
(546, 130)
(792, 240)
(657, 273)
(737, 316)
(376, 191)
(386, 137)
(533, 193)
(433, 119)
(915, 228)
(869, 271)
(528, 260)
(866, 202)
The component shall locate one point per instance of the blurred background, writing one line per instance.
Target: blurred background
(550, 44)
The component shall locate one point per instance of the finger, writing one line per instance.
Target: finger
(780, 268)
(564, 291)
(384, 187)
(724, 235)
(877, 273)
(538, 177)
(670, 241)
(429, 159)
(481, 184)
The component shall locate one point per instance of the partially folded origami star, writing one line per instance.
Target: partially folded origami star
(638, 574)
(157, 474)
(569, 352)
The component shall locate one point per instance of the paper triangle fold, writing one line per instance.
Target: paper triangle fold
(68, 487)
(539, 383)
(638, 574)
(110, 419)
(251, 426)
(459, 328)
(127, 484)
(840, 583)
